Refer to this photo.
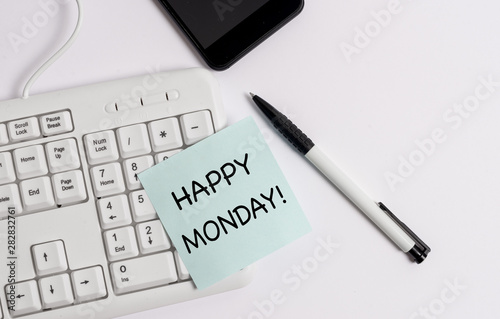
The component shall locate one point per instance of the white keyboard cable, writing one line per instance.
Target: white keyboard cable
(56, 55)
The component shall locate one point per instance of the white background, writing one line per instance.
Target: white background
(367, 114)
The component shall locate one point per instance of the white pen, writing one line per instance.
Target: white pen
(378, 213)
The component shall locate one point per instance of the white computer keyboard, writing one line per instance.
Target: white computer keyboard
(79, 237)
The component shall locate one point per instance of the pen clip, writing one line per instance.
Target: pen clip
(420, 251)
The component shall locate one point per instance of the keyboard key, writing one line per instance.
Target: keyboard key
(49, 258)
(4, 138)
(196, 126)
(108, 179)
(27, 298)
(9, 197)
(142, 208)
(133, 140)
(56, 123)
(165, 155)
(24, 129)
(7, 173)
(121, 243)
(152, 237)
(165, 134)
(114, 211)
(62, 155)
(89, 284)
(181, 268)
(37, 193)
(135, 166)
(56, 291)
(101, 147)
(30, 162)
(69, 187)
(143, 272)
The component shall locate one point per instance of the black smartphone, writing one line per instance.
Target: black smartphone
(223, 31)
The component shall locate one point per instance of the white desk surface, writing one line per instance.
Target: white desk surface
(399, 90)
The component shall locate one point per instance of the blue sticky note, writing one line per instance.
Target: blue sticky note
(224, 203)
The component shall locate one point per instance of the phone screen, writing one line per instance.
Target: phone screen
(223, 31)
(211, 20)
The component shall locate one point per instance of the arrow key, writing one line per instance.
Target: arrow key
(89, 284)
(26, 298)
(50, 257)
(56, 291)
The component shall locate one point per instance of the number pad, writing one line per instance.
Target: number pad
(139, 251)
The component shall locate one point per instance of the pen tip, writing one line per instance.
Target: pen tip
(251, 94)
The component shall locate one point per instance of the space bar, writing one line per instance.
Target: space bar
(143, 272)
